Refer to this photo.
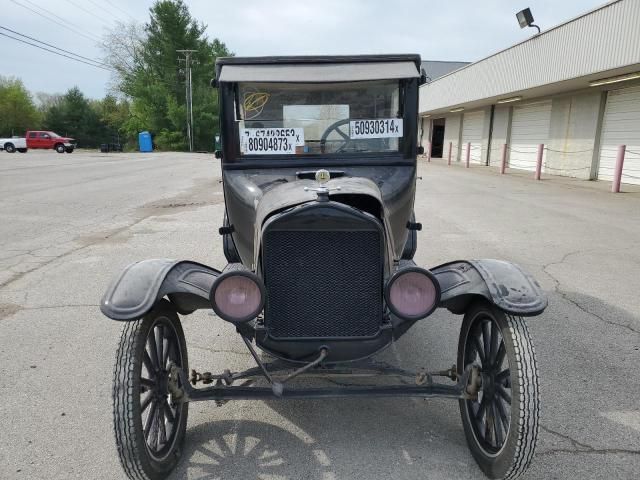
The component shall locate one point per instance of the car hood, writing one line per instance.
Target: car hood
(293, 193)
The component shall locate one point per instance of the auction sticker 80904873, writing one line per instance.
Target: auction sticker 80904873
(269, 141)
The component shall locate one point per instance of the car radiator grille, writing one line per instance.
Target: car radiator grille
(323, 284)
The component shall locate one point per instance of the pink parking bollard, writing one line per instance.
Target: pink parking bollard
(503, 165)
(450, 146)
(617, 174)
(468, 154)
(428, 151)
(539, 162)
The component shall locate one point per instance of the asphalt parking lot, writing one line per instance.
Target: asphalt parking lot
(70, 222)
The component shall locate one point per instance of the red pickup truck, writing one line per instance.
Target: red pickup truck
(48, 140)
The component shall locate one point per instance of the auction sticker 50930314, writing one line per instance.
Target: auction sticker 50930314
(376, 128)
(269, 141)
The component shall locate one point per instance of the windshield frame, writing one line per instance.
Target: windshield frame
(233, 159)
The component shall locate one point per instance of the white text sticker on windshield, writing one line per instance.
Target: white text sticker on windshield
(378, 128)
(270, 141)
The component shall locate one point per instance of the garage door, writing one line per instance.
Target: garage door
(472, 125)
(529, 128)
(621, 126)
(451, 134)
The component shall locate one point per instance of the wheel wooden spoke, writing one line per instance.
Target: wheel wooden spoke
(145, 403)
(494, 339)
(479, 417)
(149, 422)
(500, 390)
(497, 425)
(168, 413)
(148, 363)
(502, 351)
(488, 425)
(159, 340)
(486, 338)
(153, 350)
(162, 428)
(477, 344)
(146, 385)
(167, 347)
(502, 411)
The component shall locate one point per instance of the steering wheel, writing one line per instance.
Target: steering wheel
(335, 127)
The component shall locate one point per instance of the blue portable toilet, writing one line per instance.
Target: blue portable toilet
(144, 139)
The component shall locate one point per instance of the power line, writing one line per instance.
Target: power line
(53, 46)
(110, 12)
(89, 12)
(120, 9)
(65, 25)
(92, 37)
(65, 22)
(53, 51)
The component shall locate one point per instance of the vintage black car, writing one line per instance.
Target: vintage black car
(319, 171)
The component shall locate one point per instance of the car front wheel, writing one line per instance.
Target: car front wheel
(501, 423)
(150, 423)
(59, 148)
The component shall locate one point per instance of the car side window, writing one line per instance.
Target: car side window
(44, 135)
(33, 135)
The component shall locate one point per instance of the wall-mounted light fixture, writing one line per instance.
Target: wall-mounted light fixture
(619, 78)
(454, 110)
(510, 99)
(525, 19)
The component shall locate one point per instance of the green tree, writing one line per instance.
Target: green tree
(75, 116)
(150, 73)
(114, 115)
(18, 113)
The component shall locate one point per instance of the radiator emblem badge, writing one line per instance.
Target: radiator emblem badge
(322, 176)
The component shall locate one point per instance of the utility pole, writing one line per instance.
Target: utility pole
(189, 95)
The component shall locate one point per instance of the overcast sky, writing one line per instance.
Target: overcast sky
(438, 30)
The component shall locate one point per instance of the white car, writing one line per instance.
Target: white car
(10, 145)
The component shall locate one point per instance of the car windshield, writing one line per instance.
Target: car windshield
(53, 134)
(326, 118)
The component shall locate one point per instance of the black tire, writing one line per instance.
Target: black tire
(59, 147)
(22, 150)
(141, 457)
(501, 426)
(9, 148)
(69, 149)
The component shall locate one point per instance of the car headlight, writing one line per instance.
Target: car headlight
(237, 296)
(412, 293)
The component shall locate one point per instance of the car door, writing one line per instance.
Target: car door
(32, 141)
(44, 140)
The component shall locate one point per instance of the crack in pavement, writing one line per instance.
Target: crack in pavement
(69, 305)
(140, 213)
(582, 448)
(221, 350)
(9, 309)
(565, 295)
(18, 276)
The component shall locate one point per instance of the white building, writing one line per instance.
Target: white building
(574, 88)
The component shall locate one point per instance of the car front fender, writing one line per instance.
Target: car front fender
(504, 284)
(141, 285)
